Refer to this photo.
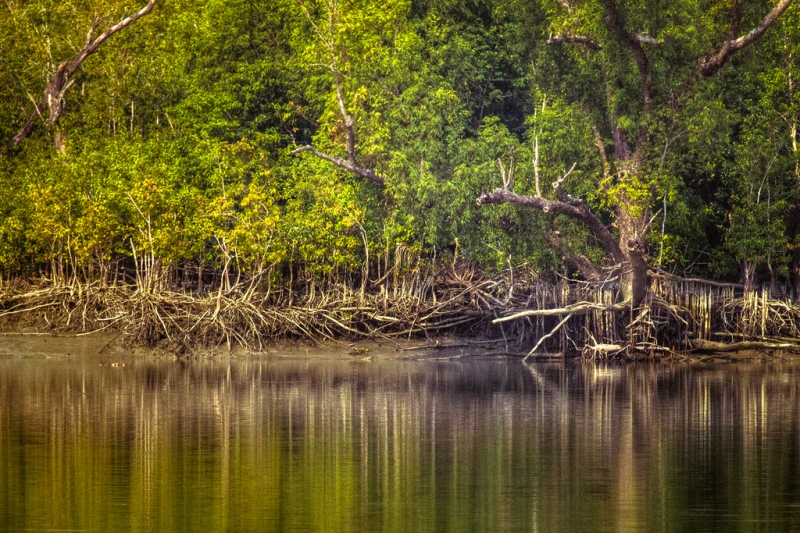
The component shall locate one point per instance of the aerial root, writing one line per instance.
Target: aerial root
(553, 317)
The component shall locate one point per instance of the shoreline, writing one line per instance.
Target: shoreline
(54, 345)
(530, 319)
(112, 349)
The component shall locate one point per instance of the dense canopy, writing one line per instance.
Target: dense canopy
(320, 136)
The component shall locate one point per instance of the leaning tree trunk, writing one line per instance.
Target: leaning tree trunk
(53, 97)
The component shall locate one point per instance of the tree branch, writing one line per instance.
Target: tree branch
(577, 210)
(710, 65)
(544, 338)
(580, 308)
(587, 268)
(92, 45)
(565, 205)
(561, 194)
(646, 39)
(633, 44)
(350, 166)
(26, 130)
(61, 82)
(348, 121)
(655, 271)
(575, 39)
(508, 175)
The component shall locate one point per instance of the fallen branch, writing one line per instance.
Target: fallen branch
(541, 340)
(763, 339)
(580, 308)
(703, 345)
(603, 349)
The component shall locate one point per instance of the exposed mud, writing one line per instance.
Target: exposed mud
(114, 348)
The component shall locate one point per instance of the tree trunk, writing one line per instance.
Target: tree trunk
(748, 275)
(634, 280)
(633, 223)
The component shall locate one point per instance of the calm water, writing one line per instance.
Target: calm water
(467, 445)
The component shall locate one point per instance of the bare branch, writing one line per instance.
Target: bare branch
(565, 205)
(561, 194)
(90, 34)
(503, 177)
(545, 337)
(26, 130)
(507, 176)
(580, 308)
(36, 109)
(710, 65)
(574, 39)
(655, 271)
(587, 268)
(93, 44)
(355, 168)
(348, 120)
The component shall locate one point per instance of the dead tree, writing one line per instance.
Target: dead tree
(632, 217)
(50, 107)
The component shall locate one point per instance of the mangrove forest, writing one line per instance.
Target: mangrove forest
(611, 178)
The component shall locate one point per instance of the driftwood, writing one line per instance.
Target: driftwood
(703, 345)
(758, 338)
(544, 338)
(602, 351)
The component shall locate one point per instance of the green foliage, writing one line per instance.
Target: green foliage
(178, 132)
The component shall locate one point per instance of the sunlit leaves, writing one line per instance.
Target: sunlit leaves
(178, 132)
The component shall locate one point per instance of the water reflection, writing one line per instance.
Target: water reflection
(276, 445)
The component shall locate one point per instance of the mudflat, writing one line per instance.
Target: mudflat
(114, 347)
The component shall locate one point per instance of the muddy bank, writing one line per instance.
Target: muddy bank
(536, 317)
(115, 347)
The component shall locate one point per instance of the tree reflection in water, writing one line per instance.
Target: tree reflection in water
(480, 445)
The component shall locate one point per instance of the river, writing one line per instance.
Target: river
(471, 444)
